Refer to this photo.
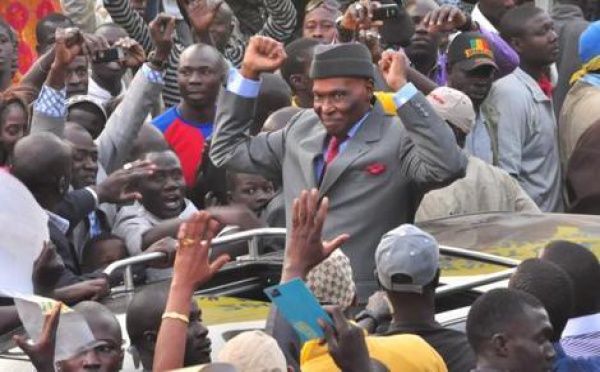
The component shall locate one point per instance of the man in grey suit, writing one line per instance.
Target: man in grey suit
(373, 168)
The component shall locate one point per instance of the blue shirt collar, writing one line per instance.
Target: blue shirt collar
(356, 127)
(593, 79)
(58, 222)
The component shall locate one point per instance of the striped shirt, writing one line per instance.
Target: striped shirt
(581, 336)
(279, 25)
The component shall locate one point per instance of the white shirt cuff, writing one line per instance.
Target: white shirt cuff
(241, 86)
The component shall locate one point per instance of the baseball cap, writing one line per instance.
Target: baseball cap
(589, 45)
(253, 351)
(409, 252)
(453, 106)
(470, 50)
(78, 99)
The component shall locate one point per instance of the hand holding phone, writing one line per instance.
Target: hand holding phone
(385, 12)
(299, 307)
(109, 55)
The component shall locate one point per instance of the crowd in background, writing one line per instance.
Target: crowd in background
(156, 126)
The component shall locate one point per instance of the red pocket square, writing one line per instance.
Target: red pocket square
(376, 168)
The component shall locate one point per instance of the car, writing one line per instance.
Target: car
(478, 252)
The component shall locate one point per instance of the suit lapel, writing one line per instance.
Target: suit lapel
(357, 146)
(312, 146)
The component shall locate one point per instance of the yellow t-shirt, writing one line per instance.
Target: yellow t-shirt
(399, 353)
(385, 98)
(387, 102)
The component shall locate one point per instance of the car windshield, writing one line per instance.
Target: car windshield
(517, 236)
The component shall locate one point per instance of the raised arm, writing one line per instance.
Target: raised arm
(116, 140)
(50, 110)
(231, 146)
(280, 25)
(123, 14)
(449, 18)
(192, 268)
(429, 154)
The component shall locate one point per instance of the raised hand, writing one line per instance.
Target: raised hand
(41, 354)
(192, 266)
(200, 13)
(358, 16)
(116, 187)
(263, 54)
(393, 66)
(162, 30)
(69, 44)
(445, 19)
(346, 343)
(134, 53)
(305, 248)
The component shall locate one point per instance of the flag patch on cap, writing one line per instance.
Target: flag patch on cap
(479, 46)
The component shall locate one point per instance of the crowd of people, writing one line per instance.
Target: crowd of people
(155, 126)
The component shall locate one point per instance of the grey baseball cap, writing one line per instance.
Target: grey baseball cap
(407, 259)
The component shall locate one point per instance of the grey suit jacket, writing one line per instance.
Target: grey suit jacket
(374, 185)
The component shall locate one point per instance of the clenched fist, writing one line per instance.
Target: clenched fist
(263, 54)
(393, 66)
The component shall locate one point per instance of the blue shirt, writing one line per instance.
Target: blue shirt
(478, 141)
(593, 79)
(565, 363)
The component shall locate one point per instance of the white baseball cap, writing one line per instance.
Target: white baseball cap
(407, 259)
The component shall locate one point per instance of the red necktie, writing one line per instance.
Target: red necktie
(333, 149)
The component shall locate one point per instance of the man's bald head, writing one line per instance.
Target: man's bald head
(200, 74)
(149, 139)
(205, 52)
(102, 322)
(108, 354)
(42, 161)
(279, 119)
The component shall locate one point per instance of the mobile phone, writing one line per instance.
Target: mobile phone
(109, 55)
(385, 12)
(299, 307)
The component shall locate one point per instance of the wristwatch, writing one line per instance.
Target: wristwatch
(158, 63)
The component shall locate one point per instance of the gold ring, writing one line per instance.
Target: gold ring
(186, 242)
